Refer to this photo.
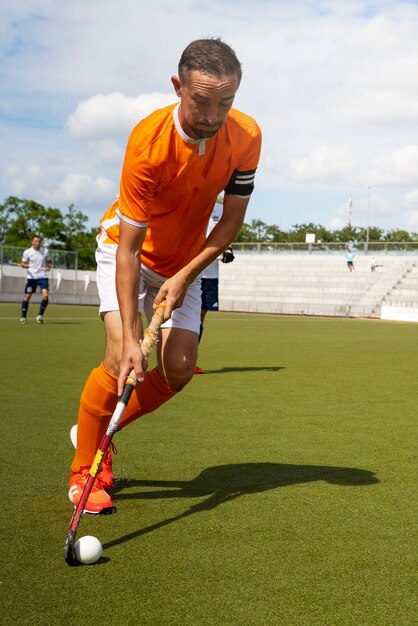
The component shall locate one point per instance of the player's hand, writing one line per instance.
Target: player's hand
(133, 360)
(227, 256)
(173, 290)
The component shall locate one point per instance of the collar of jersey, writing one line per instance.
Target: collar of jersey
(180, 130)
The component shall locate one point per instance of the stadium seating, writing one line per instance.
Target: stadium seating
(306, 284)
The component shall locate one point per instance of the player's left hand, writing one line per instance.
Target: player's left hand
(173, 290)
(228, 256)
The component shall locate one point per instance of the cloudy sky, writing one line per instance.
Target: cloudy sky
(332, 83)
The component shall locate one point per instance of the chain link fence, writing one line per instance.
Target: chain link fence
(67, 284)
(61, 259)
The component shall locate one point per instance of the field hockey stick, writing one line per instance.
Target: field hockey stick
(149, 341)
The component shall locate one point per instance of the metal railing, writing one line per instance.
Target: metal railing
(64, 270)
(371, 247)
(61, 259)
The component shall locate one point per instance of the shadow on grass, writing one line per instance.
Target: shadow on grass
(226, 370)
(224, 483)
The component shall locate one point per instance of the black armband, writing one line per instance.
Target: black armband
(241, 183)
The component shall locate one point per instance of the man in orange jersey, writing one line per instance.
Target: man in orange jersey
(152, 244)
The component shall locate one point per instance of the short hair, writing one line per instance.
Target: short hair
(36, 237)
(211, 56)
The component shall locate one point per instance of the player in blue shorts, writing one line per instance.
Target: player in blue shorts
(210, 276)
(38, 262)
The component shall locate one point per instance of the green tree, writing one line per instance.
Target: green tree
(253, 232)
(398, 235)
(244, 234)
(348, 233)
(274, 233)
(5, 219)
(258, 230)
(20, 219)
(298, 232)
(74, 231)
(26, 218)
(85, 246)
(375, 233)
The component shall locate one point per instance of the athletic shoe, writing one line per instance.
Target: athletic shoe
(40, 319)
(23, 320)
(73, 435)
(198, 370)
(99, 501)
(106, 475)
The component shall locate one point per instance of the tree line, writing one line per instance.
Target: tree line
(20, 219)
(259, 231)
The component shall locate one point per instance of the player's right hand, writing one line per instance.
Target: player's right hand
(133, 360)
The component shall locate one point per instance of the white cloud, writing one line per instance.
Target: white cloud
(114, 114)
(33, 178)
(411, 198)
(377, 106)
(78, 189)
(411, 221)
(398, 168)
(395, 211)
(324, 163)
(109, 151)
(411, 211)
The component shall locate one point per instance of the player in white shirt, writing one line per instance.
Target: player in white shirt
(38, 262)
(210, 275)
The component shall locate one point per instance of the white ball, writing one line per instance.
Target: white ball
(88, 550)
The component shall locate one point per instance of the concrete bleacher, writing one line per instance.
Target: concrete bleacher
(305, 284)
(405, 292)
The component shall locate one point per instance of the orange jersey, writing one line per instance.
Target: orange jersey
(170, 184)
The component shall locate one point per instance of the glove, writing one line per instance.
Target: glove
(228, 256)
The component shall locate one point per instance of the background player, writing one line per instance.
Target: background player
(210, 275)
(38, 262)
(152, 243)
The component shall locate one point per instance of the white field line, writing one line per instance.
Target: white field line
(51, 319)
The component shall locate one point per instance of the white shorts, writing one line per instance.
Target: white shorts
(186, 317)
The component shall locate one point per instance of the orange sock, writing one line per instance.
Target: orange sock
(147, 397)
(98, 401)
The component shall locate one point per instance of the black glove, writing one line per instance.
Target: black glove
(228, 256)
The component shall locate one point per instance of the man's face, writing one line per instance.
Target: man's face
(205, 102)
(36, 243)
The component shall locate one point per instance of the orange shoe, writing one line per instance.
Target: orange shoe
(105, 474)
(198, 370)
(99, 500)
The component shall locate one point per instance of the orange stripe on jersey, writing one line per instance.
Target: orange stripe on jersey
(173, 182)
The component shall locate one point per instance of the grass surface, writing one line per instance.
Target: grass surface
(277, 489)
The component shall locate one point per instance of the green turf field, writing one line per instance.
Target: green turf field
(278, 488)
